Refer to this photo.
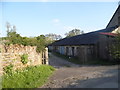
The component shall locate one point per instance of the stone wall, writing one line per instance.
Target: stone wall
(12, 55)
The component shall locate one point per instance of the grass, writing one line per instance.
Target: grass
(31, 77)
(94, 61)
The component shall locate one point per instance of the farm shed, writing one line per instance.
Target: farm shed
(86, 46)
(90, 45)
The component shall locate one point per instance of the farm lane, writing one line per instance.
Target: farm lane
(59, 62)
(69, 75)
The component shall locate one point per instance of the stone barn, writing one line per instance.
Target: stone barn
(90, 45)
(86, 46)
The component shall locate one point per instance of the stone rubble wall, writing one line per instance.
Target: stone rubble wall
(11, 54)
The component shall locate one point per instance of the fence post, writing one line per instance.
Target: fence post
(46, 55)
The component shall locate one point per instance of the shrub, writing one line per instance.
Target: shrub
(8, 69)
(24, 58)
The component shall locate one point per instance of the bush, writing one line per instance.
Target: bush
(31, 77)
(8, 69)
(24, 58)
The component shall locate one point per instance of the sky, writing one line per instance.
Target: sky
(36, 18)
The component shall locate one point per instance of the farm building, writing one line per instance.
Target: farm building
(90, 45)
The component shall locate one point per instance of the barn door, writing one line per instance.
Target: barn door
(67, 50)
(73, 51)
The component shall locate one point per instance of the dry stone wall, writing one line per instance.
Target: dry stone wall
(11, 54)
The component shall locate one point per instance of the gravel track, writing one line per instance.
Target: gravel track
(69, 75)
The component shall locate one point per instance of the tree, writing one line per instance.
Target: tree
(74, 32)
(14, 28)
(8, 26)
(12, 35)
(10, 29)
(52, 36)
(41, 43)
(14, 38)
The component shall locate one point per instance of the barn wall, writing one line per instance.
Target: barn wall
(50, 48)
(70, 51)
(105, 43)
(83, 52)
(86, 52)
(62, 50)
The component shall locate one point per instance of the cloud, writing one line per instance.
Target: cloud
(56, 20)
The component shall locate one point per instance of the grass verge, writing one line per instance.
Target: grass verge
(95, 61)
(30, 77)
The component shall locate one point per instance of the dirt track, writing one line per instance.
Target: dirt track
(68, 75)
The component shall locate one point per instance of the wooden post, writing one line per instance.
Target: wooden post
(42, 57)
(46, 55)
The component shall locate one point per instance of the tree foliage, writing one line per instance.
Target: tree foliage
(53, 36)
(14, 38)
(74, 32)
(40, 41)
(50, 38)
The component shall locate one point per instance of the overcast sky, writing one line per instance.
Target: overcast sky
(36, 18)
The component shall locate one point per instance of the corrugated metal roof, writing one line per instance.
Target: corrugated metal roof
(84, 39)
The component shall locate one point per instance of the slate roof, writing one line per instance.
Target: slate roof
(113, 16)
(84, 39)
(109, 34)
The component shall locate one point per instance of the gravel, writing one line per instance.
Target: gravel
(79, 76)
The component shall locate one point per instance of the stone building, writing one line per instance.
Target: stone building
(90, 45)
